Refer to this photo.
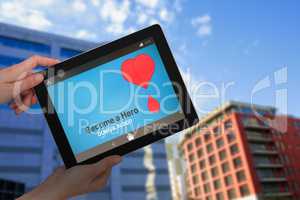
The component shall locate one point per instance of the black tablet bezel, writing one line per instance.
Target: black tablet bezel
(55, 126)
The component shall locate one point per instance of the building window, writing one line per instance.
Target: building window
(225, 167)
(237, 162)
(255, 147)
(217, 130)
(231, 194)
(200, 153)
(220, 196)
(297, 124)
(266, 173)
(228, 180)
(214, 172)
(25, 45)
(206, 188)
(209, 148)
(204, 176)
(220, 142)
(6, 61)
(240, 176)
(286, 159)
(234, 149)
(222, 155)
(192, 157)
(246, 110)
(193, 168)
(212, 159)
(190, 146)
(274, 187)
(197, 191)
(202, 164)
(231, 137)
(265, 160)
(244, 190)
(217, 184)
(208, 198)
(198, 142)
(195, 180)
(228, 124)
(67, 53)
(207, 136)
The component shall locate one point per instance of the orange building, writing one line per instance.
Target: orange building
(239, 151)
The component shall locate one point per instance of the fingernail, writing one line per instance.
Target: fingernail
(39, 77)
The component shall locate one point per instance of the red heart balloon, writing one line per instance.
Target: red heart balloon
(138, 70)
(153, 104)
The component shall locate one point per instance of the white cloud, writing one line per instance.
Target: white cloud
(202, 25)
(115, 14)
(114, 11)
(165, 15)
(79, 6)
(178, 5)
(96, 2)
(41, 3)
(148, 3)
(115, 29)
(85, 34)
(204, 30)
(142, 18)
(153, 21)
(106, 18)
(205, 19)
(154, 12)
(16, 13)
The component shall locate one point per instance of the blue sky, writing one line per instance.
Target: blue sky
(239, 44)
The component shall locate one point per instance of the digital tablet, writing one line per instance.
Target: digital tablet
(115, 98)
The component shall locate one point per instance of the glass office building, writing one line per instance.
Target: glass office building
(28, 153)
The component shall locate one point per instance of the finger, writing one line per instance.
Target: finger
(94, 170)
(26, 103)
(100, 181)
(27, 83)
(25, 92)
(15, 102)
(100, 167)
(106, 163)
(18, 71)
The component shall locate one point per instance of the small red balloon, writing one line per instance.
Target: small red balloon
(153, 104)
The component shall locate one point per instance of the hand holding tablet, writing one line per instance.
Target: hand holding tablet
(116, 98)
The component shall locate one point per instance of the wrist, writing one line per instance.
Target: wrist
(44, 192)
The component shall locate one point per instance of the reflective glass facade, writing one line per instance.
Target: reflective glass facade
(67, 53)
(25, 45)
(8, 60)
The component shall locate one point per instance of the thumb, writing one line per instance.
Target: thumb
(27, 83)
(106, 163)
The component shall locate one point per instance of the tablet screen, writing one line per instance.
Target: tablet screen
(119, 98)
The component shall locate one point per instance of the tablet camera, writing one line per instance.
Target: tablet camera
(130, 137)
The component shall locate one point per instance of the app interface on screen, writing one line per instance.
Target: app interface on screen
(110, 104)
